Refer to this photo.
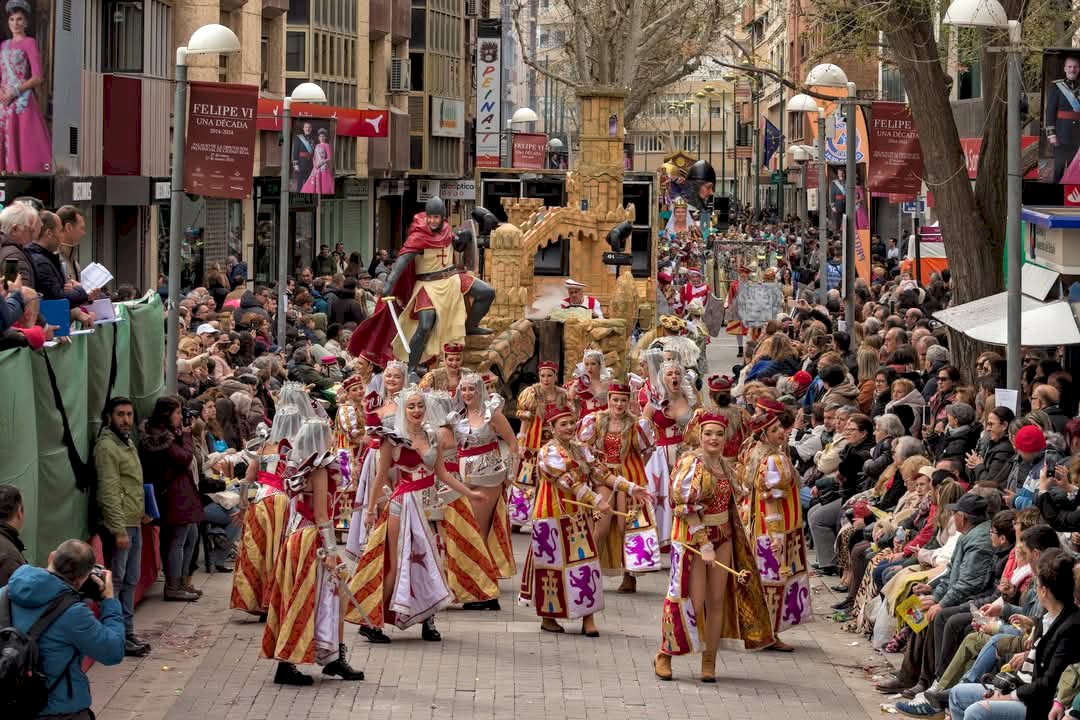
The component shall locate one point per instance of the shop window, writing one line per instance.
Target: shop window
(122, 48)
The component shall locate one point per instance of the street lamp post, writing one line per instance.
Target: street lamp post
(309, 93)
(723, 142)
(709, 90)
(990, 14)
(211, 39)
(807, 104)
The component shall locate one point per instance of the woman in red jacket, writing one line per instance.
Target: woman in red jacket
(166, 452)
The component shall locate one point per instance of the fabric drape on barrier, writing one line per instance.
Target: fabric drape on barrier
(31, 432)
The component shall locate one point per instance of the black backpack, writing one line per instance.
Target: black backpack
(24, 688)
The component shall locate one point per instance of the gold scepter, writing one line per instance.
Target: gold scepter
(741, 576)
(593, 507)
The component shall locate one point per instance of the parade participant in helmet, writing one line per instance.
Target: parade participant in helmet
(478, 427)
(701, 180)
(588, 390)
(398, 578)
(309, 598)
(447, 376)
(705, 604)
(430, 290)
(264, 519)
(533, 404)
(623, 445)
(561, 579)
(671, 411)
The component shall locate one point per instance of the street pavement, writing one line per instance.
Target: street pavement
(205, 665)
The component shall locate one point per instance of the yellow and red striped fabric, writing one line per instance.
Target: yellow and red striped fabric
(470, 571)
(253, 577)
(499, 543)
(366, 584)
(289, 635)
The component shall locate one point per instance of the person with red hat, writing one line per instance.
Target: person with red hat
(668, 300)
(705, 604)
(1030, 444)
(775, 518)
(623, 444)
(447, 376)
(738, 418)
(695, 288)
(562, 578)
(533, 404)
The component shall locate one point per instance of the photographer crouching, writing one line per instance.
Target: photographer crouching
(71, 577)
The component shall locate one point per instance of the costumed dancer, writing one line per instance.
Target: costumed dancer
(775, 518)
(695, 288)
(576, 297)
(672, 411)
(399, 577)
(447, 376)
(349, 436)
(623, 444)
(562, 578)
(706, 605)
(310, 597)
(478, 427)
(264, 519)
(533, 404)
(380, 412)
(471, 573)
(588, 390)
(738, 419)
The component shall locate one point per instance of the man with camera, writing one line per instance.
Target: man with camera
(76, 633)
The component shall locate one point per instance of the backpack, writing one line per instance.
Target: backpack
(24, 688)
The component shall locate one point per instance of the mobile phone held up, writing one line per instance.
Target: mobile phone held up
(11, 270)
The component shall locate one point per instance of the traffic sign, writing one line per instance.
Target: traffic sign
(914, 207)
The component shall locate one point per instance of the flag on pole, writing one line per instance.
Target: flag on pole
(772, 141)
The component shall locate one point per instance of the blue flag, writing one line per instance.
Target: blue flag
(772, 141)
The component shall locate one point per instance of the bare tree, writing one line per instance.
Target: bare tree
(637, 45)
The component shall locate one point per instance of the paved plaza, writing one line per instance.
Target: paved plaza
(205, 665)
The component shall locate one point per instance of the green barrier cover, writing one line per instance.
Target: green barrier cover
(31, 431)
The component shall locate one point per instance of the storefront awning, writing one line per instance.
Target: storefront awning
(1042, 323)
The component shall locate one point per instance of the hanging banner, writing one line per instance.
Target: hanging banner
(896, 161)
(529, 150)
(350, 122)
(312, 156)
(219, 153)
(772, 141)
(488, 96)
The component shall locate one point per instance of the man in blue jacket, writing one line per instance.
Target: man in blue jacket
(76, 634)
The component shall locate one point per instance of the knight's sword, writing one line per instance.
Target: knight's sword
(389, 300)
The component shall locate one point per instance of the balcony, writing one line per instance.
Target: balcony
(401, 23)
(379, 18)
(273, 8)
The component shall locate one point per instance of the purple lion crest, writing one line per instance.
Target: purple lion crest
(584, 581)
(796, 601)
(640, 552)
(519, 507)
(545, 541)
(768, 565)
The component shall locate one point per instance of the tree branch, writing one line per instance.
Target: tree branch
(531, 62)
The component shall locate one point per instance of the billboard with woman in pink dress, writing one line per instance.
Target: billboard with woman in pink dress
(25, 144)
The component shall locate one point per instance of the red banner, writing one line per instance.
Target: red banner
(219, 155)
(973, 151)
(896, 161)
(350, 122)
(530, 150)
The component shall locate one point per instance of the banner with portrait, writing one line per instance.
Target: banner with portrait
(311, 155)
(26, 45)
(1060, 136)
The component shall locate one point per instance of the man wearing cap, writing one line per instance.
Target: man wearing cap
(446, 377)
(970, 575)
(207, 334)
(576, 297)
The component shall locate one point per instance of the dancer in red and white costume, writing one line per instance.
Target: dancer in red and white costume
(576, 297)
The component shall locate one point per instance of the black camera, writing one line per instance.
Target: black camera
(95, 584)
(1004, 683)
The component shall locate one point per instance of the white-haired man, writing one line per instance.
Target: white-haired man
(19, 226)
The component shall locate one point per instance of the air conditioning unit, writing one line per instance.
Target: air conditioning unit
(472, 8)
(400, 81)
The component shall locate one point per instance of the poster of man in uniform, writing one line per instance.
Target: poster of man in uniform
(837, 195)
(312, 156)
(25, 79)
(1061, 117)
